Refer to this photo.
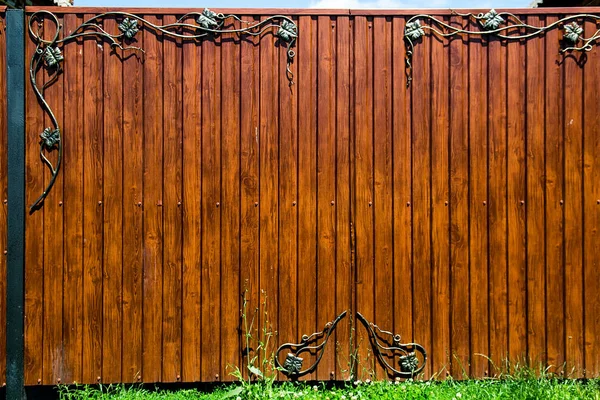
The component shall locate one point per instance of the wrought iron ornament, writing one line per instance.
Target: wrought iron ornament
(502, 25)
(411, 356)
(292, 367)
(191, 26)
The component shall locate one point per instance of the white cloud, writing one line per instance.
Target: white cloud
(374, 4)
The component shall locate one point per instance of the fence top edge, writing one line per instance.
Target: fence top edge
(313, 11)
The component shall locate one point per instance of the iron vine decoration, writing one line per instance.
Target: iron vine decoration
(386, 346)
(503, 25)
(191, 26)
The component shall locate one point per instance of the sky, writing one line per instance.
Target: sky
(339, 4)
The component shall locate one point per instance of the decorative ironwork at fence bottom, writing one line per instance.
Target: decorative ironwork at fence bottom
(411, 357)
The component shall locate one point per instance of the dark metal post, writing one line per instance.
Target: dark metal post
(15, 262)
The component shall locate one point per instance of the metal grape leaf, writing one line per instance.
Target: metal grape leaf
(50, 138)
(409, 362)
(208, 19)
(292, 364)
(129, 27)
(413, 30)
(53, 56)
(572, 32)
(492, 20)
(287, 31)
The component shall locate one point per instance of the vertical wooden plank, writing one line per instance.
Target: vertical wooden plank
(73, 205)
(591, 207)
(459, 203)
(113, 211)
(93, 183)
(364, 196)
(497, 210)
(402, 184)
(382, 144)
(172, 184)
(153, 200)
(133, 148)
(34, 231)
(307, 177)
(535, 202)
(554, 195)
(288, 198)
(441, 352)
(326, 185)
(230, 204)
(573, 214)
(211, 211)
(421, 197)
(517, 252)
(3, 196)
(478, 199)
(343, 279)
(192, 213)
(268, 142)
(249, 154)
(53, 248)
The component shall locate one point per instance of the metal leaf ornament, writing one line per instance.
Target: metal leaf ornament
(129, 27)
(292, 364)
(208, 19)
(287, 31)
(409, 362)
(413, 30)
(52, 56)
(572, 32)
(492, 20)
(50, 138)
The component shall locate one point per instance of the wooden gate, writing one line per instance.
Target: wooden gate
(454, 202)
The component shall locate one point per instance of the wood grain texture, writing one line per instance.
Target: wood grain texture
(72, 203)
(591, 211)
(198, 184)
(440, 201)
(112, 276)
(554, 196)
(93, 182)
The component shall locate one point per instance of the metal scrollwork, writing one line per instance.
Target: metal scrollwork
(502, 25)
(292, 366)
(191, 26)
(386, 345)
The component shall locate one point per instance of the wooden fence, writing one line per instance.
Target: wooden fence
(461, 212)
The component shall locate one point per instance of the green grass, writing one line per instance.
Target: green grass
(508, 388)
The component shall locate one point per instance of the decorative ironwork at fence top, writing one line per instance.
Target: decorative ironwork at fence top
(191, 26)
(501, 25)
(198, 25)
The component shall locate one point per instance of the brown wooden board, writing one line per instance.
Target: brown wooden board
(516, 175)
(554, 196)
(133, 139)
(591, 210)
(497, 207)
(440, 206)
(535, 202)
(112, 275)
(93, 150)
(153, 238)
(459, 204)
(478, 213)
(172, 210)
(382, 178)
(421, 199)
(73, 209)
